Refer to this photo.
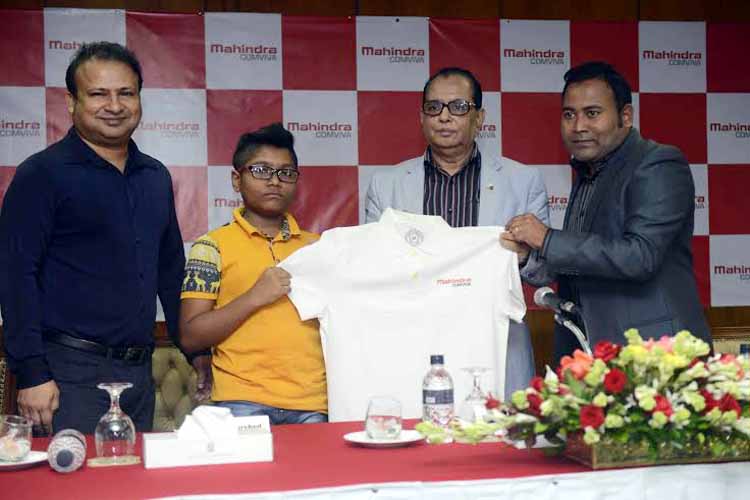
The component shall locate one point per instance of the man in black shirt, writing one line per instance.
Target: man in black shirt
(88, 238)
(624, 254)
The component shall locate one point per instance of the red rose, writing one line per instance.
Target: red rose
(537, 383)
(711, 402)
(615, 380)
(728, 403)
(591, 416)
(535, 401)
(663, 405)
(491, 402)
(606, 351)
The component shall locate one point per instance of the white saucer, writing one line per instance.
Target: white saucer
(32, 459)
(405, 439)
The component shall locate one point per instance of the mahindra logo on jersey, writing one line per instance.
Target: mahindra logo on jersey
(488, 131)
(740, 130)
(453, 282)
(258, 52)
(396, 54)
(62, 45)
(333, 130)
(172, 130)
(675, 58)
(535, 56)
(740, 270)
(19, 128)
(557, 203)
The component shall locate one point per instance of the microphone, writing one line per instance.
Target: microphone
(546, 297)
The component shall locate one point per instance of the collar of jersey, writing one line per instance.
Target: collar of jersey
(251, 230)
(396, 223)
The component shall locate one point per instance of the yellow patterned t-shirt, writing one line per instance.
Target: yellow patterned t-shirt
(273, 358)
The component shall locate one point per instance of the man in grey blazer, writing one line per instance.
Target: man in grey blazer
(454, 180)
(624, 254)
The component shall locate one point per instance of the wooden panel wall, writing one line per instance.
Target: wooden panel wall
(611, 10)
(727, 321)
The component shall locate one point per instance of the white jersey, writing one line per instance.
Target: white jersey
(391, 293)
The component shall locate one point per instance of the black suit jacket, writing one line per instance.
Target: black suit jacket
(632, 263)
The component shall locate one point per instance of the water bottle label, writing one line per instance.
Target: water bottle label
(441, 397)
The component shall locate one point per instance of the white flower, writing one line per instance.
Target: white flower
(742, 425)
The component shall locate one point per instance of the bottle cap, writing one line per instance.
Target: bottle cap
(64, 458)
(436, 359)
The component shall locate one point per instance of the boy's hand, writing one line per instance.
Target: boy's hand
(274, 283)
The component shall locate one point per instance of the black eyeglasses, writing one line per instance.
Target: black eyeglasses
(264, 172)
(457, 107)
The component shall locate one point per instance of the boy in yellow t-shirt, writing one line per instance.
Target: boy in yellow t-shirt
(265, 360)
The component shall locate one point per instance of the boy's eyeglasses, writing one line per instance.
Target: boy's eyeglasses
(264, 172)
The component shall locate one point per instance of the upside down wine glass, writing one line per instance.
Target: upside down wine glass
(115, 432)
(473, 407)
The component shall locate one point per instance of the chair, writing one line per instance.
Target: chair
(7, 389)
(175, 381)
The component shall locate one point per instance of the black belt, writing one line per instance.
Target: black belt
(133, 354)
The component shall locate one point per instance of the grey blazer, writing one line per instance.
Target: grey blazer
(508, 188)
(632, 264)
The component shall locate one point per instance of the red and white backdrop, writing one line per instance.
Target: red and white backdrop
(350, 88)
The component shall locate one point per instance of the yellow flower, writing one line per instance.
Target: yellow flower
(645, 396)
(634, 338)
(714, 416)
(658, 420)
(689, 346)
(595, 376)
(728, 417)
(681, 416)
(600, 400)
(590, 436)
(613, 421)
(694, 399)
(519, 400)
(635, 353)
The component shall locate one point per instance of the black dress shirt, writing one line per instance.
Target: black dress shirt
(84, 250)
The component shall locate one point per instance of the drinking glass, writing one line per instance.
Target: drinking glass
(15, 438)
(115, 432)
(383, 418)
(473, 407)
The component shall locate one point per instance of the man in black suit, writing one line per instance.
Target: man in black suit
(624, 254)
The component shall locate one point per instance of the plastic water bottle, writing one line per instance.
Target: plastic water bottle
(437, 393)
(67, 451)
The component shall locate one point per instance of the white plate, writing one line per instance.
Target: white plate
(32, 459)
(405, 439)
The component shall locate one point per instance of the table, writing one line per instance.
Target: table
(315, 456)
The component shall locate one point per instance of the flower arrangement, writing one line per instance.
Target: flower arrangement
(661, 398)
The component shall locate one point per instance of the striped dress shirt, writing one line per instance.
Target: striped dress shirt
(455, 198)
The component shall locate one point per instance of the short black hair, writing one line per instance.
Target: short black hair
(102, 51)
(599, 70)
(271, 135)
(476, 88)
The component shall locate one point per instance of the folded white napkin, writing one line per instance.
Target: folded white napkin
(208, 422)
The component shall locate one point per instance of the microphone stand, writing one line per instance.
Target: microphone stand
(570, 325)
